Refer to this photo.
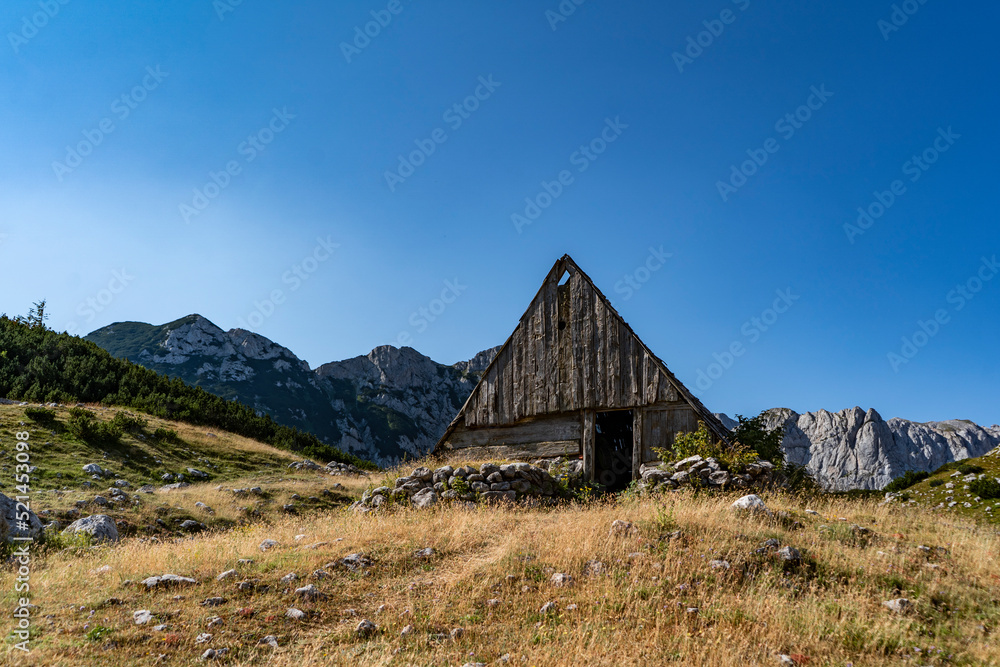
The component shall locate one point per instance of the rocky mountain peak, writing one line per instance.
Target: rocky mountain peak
(480, 362)
(856, 448)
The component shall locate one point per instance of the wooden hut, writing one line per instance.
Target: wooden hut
(574, 380)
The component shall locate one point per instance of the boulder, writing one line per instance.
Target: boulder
(719, 478)
(93, 469)
(498, 496)
(424, 498)
(620, 528)
(100, 528)
(165, 580)
(751, 503)
(10, 527)
(691, 462)
(365, 629)
(175, 486)
(790, 555)
(898, 606)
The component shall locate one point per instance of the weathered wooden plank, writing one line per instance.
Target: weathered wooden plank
(587, 441)
(525, 451)
(613, 360)
(508, 391)
(542, 429)
(655, 425)
(517, 373)
(637, 453)
(600, 347)
(552, 347)
(577, 309)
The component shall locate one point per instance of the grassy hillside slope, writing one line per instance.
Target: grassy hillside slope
(62, 492)
(40, 365)
(657, 598)
(969, 488)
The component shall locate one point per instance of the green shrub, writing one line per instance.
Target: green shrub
(936, 482)
(166, 435)
(986, 489)
(93, 432)
(970, 469)
(129, 423)
(98, 632)
(754, 434)
(906, 480)
(40, 415)
(799, 479)
(702, 443)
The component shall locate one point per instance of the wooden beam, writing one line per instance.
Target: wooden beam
(588, 441)
(533, 450)
(636, 442)
(543, 429)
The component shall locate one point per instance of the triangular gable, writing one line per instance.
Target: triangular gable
(602, 364)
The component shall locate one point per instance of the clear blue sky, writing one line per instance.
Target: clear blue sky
(266, 90)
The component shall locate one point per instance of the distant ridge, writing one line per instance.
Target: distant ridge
(390, 404)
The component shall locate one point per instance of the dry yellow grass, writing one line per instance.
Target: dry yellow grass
(828, 610)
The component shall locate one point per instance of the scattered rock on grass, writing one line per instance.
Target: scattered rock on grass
(898, 606)
(100, 528)
(620, 528)
(167, 580)
(790, 555)
(751, 503)
(365, 628)
(309, 592)
(560, 579)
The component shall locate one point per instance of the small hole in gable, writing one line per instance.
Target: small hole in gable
(564, 279)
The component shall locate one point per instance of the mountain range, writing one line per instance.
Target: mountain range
(390, 404)
(395, 403)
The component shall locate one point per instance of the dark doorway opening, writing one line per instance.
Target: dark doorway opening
(613, 449)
